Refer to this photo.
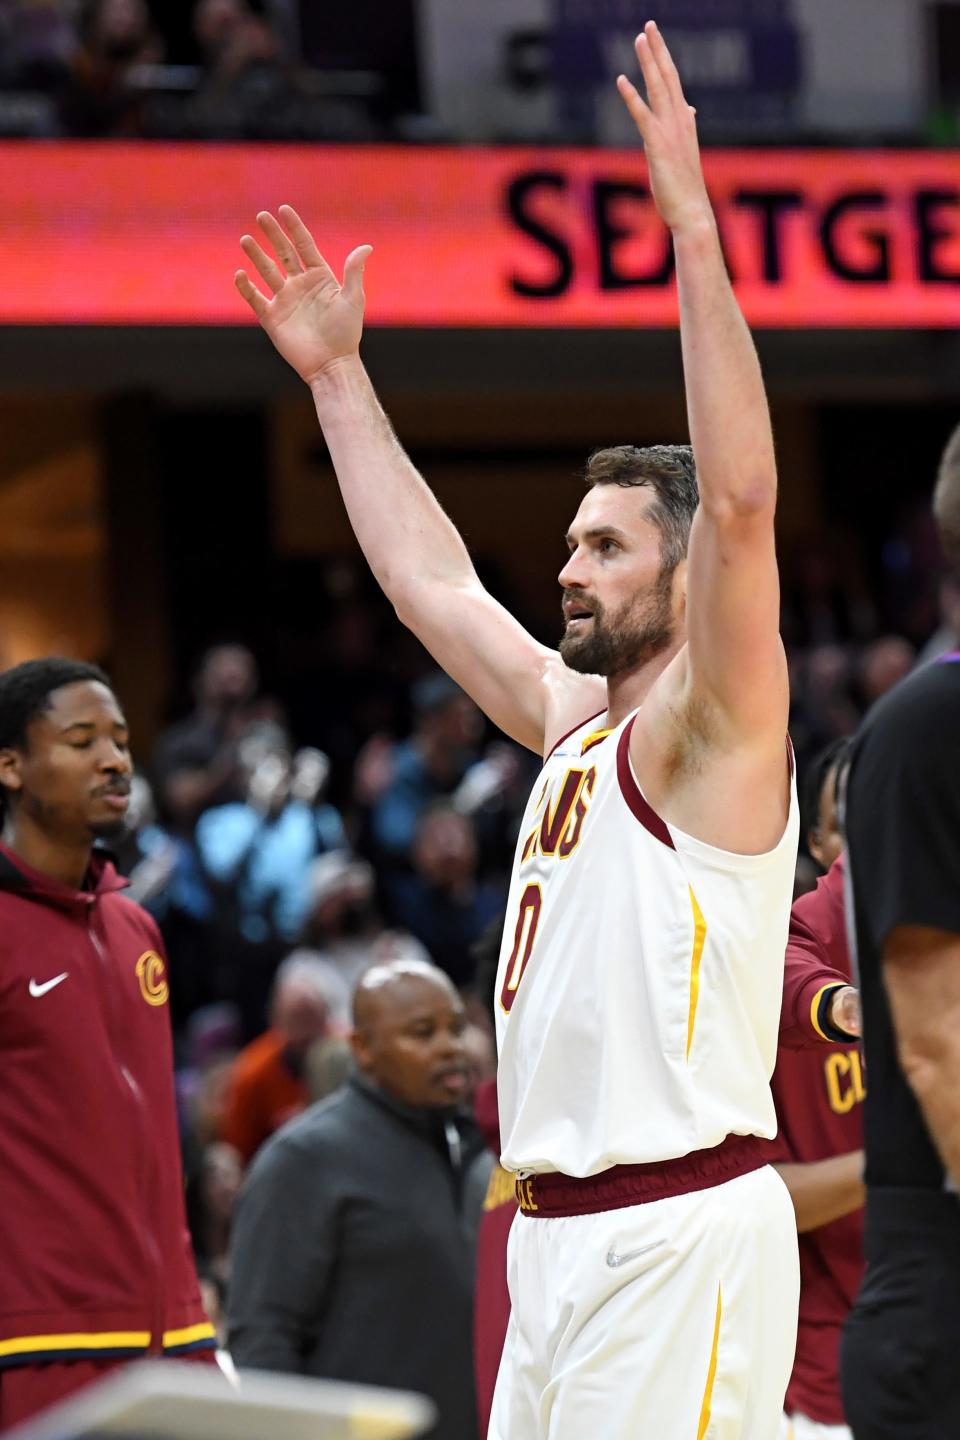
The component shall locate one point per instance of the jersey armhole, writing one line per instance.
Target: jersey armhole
(634, 796)
(587, 720)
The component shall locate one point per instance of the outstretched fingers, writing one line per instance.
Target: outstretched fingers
(266, 267)
(353, 272)
(635, 103)
(281, 242)
(302, 239)
(658, 91)
(258, 303)
(665, 63)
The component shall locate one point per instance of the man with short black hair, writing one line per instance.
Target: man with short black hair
(96, 1265)
(899, 1361)
(353, 1239)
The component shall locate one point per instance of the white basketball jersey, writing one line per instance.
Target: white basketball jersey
(640, 977)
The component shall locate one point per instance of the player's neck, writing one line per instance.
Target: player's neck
(61, 860)
(628, 691)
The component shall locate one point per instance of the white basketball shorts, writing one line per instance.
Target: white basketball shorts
(675, 1319)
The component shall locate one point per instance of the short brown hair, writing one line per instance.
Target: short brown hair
(671, 472)
(946, 501)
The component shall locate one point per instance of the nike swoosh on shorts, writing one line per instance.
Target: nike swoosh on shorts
(616, 1259)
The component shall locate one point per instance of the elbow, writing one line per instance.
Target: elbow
(749, 504)
(402, 611)
(401, 591)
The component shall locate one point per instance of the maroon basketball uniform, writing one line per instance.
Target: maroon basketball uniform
(819, 1094)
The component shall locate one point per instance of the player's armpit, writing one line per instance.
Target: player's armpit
(921, 971)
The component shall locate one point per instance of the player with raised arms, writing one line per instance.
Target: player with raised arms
(653, 1265)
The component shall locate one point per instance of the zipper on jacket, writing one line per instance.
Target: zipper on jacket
(151, 1247)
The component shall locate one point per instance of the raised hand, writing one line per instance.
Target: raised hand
(312, 319)
(669, 132)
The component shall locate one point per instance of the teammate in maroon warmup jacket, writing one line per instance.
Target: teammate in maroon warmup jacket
(95, 1264)
(819, 1152)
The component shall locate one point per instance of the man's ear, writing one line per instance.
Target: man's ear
(11, 778)
(815, 844)
(360, 1046)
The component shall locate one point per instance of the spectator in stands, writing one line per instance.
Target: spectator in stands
(261, 847)
(37, 39)
(195, 763)
(443, 902)
(342, 927)
(115, 37)
(426, 767)
(210, 1201)
(233, 36)
(247, 91)
(267, 1084)
(818, 1152)
(822, 705)
(353, 1239)
(883, 664)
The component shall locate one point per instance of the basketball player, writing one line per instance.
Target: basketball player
(653, 1266)
(818, 1152)
(95, 1265)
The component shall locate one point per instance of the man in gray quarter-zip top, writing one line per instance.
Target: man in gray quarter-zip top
(353, 1238)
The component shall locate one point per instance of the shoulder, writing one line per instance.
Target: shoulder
(906, 747)
(573, 701)
(923, 707)
(295, 1145)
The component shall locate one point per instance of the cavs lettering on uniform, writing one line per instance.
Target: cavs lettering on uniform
(636, 961)
(151, 972)
(560, 812)
(843, 1071)
(559, 830)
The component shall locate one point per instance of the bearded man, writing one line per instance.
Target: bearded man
(653, 1262)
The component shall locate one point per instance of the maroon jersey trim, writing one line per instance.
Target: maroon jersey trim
(572, 731)
(634, 796)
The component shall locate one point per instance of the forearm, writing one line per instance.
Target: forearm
(824, 1190)
(400, 525)
(726, 403)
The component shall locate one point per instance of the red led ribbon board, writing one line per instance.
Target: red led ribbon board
(113, 234)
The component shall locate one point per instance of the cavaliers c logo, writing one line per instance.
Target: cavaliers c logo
(150, 973)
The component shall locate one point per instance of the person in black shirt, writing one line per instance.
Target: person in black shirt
(900, 1366)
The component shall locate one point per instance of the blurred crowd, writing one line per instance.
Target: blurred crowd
(278, 885)
(187, 69)
(282, 870)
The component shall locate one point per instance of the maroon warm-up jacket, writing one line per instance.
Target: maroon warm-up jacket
(95, 1259)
